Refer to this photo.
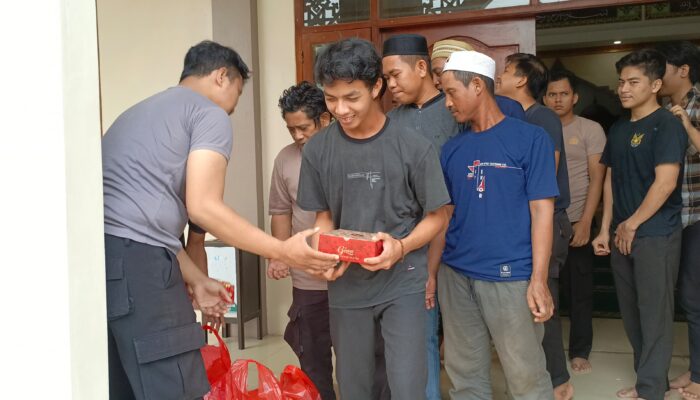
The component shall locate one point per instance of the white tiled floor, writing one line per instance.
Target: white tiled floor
(611, 359)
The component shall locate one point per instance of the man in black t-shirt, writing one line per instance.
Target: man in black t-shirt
(642, 199)
(525, 79)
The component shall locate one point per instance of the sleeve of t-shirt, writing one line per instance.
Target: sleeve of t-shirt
(196, 228)
(280, 199)
(446, 176)
(510, 107)
(670, 143)
(429, 182)
(540, 173)
(595, 140)
(310, 194)
(552, 125)
(211, 130)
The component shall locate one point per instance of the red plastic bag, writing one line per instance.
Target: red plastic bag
(230, 381)
(268, 386)
(217, 360)
(296, 385)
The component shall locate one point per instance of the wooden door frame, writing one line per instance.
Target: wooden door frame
(377, 24)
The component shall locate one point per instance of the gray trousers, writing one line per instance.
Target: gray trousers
(477, 312)
(689, 287)
(644, 281)
(553, 342)
(402, 323)
(153, 337)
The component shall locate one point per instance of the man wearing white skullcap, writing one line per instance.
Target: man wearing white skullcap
(493, 278)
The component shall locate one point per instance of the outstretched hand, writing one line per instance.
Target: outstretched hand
(297, 253)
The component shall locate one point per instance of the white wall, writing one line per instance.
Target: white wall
(142, 46)
(277, 72)
(55, 339)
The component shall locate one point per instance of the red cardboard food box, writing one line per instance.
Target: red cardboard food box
(351, 246)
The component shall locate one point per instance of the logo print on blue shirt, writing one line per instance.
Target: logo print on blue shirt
(505, 271)
(477, 169)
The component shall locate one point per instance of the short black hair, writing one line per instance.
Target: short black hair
(466, 77)
(533, 69)
(348, 60)
(207, 56)
(561, 74)
(681, 53)
(304, 97)
(650, 61)
(413, 59)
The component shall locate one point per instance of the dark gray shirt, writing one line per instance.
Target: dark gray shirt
(542, 116)
(382, 184)
(434, 121)
(144, 161)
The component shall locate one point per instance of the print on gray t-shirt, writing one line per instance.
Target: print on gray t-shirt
(382, 184)
(144, 160)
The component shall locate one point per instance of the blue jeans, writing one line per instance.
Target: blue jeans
(432, 389)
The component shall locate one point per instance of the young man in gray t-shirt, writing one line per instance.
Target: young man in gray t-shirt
(174, 143)
(370, 174)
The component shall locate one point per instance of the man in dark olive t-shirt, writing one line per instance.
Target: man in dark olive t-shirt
(367, 172)
(644, 156)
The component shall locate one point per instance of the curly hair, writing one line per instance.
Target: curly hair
(348, 60)
(303, 97)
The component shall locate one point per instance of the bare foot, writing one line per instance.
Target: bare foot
(565, 391)
(691, 391)
(680, 381)
(627, 393)
(581, 366)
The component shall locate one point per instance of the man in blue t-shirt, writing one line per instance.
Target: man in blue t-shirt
(493, 279)
(642, 198)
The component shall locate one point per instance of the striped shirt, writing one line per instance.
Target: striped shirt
(691, 179)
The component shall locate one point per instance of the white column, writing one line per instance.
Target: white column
(52, 258)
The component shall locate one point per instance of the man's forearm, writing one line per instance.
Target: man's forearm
(426, 230)
(324, 223)
(606, 220)
(196, 251)
(595, 190)
(437, 245)
(655, 198)
(191, 274)
(693, 136)
(542, 217)
(221, 221)
(281, 226)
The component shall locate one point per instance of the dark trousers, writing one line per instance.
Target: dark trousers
(644, 281)
(402, 323)
(153, 337)
(552, 343)
(308, 334)
(576, 284)
(689, 287)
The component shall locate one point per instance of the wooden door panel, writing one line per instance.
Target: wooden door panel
(311, 43)
(496, 39)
